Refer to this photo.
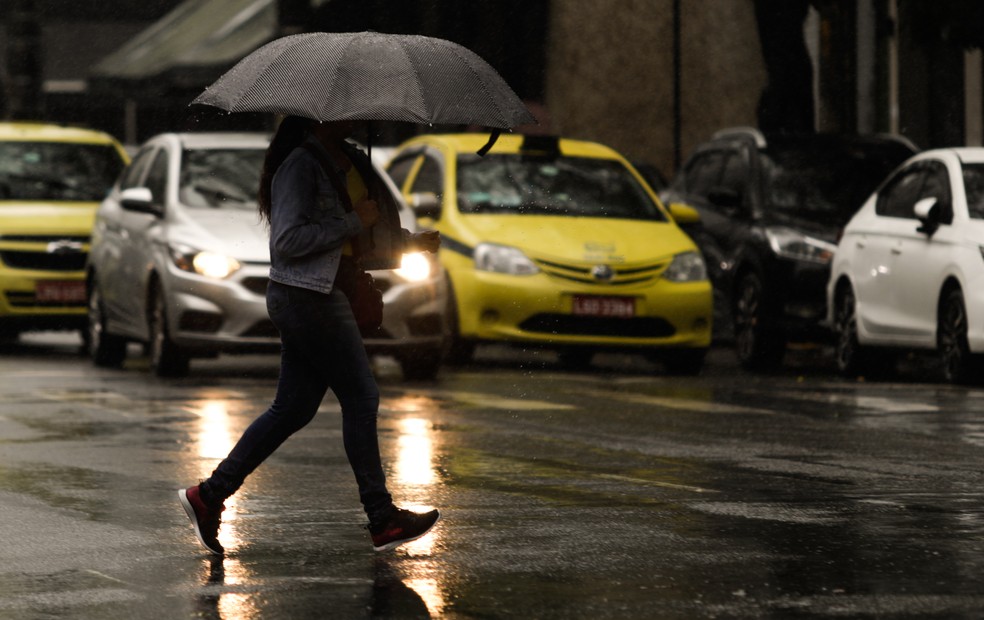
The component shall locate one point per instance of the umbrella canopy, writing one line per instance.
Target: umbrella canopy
(369, 76)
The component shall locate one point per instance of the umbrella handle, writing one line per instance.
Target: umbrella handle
(488, 145)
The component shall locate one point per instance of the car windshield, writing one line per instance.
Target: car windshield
(60, 171)
(973, 178)
(220, 178)
(826, 182)
(571, 186)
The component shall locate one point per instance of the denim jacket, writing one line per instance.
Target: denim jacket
(308, 223)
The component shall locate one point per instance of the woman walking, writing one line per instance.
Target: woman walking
(314, 228)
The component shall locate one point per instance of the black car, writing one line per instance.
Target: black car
(772, 208)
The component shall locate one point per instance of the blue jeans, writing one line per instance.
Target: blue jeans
(321, 349)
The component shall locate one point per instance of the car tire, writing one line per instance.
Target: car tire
(851, 356)
(166, 358)
(106, 350)
(959, 365)
(758, 342)
(421, 365)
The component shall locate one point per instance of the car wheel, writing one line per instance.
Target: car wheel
(758, 343)
(105, 349)
(421, 365)
(460, 350)
(166, 358)
(959, 364)
(848, 351)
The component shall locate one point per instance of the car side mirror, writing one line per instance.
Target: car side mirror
(425, 204)
(927, 211)
(139, 199)
(684, 214)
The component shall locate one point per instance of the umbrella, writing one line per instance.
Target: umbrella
(369, 76)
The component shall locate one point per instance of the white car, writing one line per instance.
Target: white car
(908, 272)
(180, 262)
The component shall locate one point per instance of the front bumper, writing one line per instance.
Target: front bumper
(40, 290)
(538, 309)
(211, 316)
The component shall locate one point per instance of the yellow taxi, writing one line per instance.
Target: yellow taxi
(558, 243)
(52, 179)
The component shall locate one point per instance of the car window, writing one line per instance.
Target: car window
(900, 194)
(157, 178)
(220, 178)
(429, 178)
(973, 179)
(734, 177)
(703, 173)
(134, 172)
(936, 184)
(57, 170)
(572, 186)
(824, 180)
(400, 168)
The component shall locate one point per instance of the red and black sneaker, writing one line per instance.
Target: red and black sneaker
(205, 519)
(402, 527)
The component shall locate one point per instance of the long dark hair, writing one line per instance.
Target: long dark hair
(290, 134)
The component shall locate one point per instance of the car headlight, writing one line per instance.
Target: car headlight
(503, 259)
(204, 263)
(789, 243)
(686, 267)
(414, 267)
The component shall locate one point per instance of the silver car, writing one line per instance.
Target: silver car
(180, 261)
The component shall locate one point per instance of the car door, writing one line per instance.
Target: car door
(138, 246)
(111, 263)
(877, 247)
(922, 260)
(694, 187)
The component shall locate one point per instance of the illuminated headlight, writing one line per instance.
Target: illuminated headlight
(414, 267)
(503, 259)
(204, 263)
(686, 267)
(789, 243)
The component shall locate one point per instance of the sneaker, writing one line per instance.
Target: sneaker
(206, 520)
(402, 527)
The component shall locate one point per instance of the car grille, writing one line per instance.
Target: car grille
(618, 274)
(566, 324)
(42, 252)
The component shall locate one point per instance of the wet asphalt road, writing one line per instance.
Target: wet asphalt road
(616, 493)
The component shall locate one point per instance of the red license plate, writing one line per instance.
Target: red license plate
(59, 291)
(589, 305)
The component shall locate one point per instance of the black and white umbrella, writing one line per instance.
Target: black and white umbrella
(369, 76)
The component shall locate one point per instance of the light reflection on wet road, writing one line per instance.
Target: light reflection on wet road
(616, 493)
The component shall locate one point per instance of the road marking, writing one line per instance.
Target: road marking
(655, 483)
(494, 401)
(673, 402)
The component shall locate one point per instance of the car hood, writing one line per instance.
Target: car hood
(580, 238)
(239, 234)
(828, 230)
(47, 218)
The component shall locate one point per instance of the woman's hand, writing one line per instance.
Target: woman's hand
(368, 212)
(426, 241)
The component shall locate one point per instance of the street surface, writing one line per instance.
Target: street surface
(614, 493)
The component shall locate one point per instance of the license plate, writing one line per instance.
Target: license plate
(589, 305)
(59, 291)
